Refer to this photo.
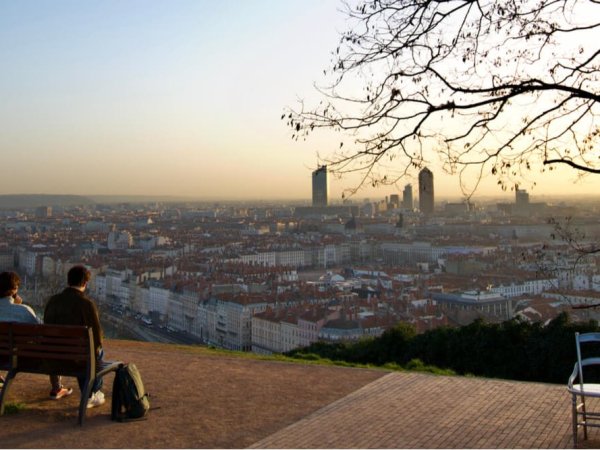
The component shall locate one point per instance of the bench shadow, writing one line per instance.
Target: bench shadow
(45, 425)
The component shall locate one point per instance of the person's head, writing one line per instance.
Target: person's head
(78, 276)
(9, 283)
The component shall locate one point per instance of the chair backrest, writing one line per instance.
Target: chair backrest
(582, 338)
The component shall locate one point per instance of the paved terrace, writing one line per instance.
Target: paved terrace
(219, 401)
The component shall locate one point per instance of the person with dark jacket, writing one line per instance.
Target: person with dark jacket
(73, 307)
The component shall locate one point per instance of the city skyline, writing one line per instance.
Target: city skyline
(181, 98)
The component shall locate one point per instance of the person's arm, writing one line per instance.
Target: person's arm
(34, 318)
(96, 328)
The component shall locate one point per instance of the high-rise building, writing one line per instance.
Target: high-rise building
(521, 201)
(394, 201)
(320, 187)
(521, 198)
(407, 197)
(426, 191)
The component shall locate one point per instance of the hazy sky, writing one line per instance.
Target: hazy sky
(170, 98)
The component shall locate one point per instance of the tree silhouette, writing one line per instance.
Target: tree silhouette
(499, 87)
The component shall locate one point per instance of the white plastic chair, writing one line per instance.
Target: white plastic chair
(579, 389)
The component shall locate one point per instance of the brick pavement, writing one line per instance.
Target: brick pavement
(412, 410)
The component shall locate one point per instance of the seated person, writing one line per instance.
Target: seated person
(12, 310)
(73, 307)
(11, 307)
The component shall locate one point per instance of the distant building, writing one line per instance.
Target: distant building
(43, 212)
(523, 206)
(119, 240)
(320, 187)
(407, 197)
(426, 199)
(7, 260)
(521, 199)
(344, 211)
(505, 208)
(457, 209)
(394, 200)
(485, 304)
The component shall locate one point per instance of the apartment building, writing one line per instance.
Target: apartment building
(156, 299)
(266, 333)
(528, 287)
(7, 260)
(227, 321)
(310, 323)
(484, 303)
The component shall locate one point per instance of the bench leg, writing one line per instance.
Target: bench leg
(85, 395)
(3, 394)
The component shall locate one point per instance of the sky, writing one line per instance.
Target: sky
(184, 98)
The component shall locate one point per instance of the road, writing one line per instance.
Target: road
(120, 326)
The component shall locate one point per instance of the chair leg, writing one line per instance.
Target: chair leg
(574, 413)
(585, 436)
(3, 393)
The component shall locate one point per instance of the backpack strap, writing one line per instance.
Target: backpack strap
(117, 394)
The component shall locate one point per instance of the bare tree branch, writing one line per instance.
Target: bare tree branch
(502, 84)
(572, 164)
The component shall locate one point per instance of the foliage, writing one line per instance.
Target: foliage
(13, 408)
(514, 349)
(393, 343)
(416, 365)
(493, 87)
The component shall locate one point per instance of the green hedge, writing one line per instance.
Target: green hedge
(513, 349)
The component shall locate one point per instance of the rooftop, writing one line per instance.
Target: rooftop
(215, 400)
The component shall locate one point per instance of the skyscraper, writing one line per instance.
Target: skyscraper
(407, 197)
(521, 201)
(426, 191)
(521, 198)
(320, 187)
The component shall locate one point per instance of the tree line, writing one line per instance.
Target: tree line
(514, 349)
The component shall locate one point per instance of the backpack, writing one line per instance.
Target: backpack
(129, 400)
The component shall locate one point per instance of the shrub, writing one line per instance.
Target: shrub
(13, 408)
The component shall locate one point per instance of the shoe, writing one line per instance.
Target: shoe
(62, 392)
(96, 399)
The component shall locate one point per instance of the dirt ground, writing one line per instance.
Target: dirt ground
(198, 399)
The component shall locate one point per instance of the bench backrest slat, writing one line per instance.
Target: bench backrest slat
(50, 349)
(34, 353)
(52, 345)
(61, 340)
(43, 330)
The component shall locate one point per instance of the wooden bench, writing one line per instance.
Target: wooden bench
(52, 350)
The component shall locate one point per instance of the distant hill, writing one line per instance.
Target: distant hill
(19, 201)
(107, 199)
(35, 200)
